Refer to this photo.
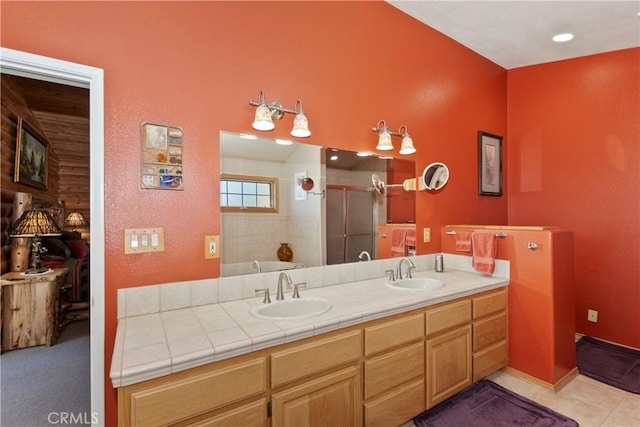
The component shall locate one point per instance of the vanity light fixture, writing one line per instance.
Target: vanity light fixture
(384, 138)
(266, 113)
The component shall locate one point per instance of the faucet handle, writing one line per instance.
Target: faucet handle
(409, 270)
(267, 299)
(392, 275)
(302, 285)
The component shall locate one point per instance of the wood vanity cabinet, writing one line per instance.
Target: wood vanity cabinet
(318, 383)
(448, 349)
(228, 393)
(394, 388)
(490, 348)
(381, 373)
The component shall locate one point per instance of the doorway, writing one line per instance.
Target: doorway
(38, 67)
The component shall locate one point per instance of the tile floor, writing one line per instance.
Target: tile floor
(587, 401)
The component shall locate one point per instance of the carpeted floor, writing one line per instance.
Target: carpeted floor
(44, 386)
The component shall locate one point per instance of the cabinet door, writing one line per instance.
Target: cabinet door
(331, 400)
(448, 364)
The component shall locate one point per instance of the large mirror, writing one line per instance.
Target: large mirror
(331, 218)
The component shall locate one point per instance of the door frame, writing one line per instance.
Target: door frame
(54, 70)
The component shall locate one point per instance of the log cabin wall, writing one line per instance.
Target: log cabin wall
(45, 106)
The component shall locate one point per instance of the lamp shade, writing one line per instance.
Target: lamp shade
(263, 120)
(407, 145)
(300, 126)
(75, 219)
(384, 140)
(34, 223)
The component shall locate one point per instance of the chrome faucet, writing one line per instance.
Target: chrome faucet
(283, 275)
(264, 291)
(256, 265)
(409, 268)
(363, 255)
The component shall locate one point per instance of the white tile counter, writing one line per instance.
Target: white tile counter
(158, 343)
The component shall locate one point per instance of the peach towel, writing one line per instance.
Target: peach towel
(484, 248)
(463, 241)
(398, 242)
(411, 238)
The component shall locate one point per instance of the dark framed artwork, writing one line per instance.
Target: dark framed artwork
(32, 157)
(489, 164)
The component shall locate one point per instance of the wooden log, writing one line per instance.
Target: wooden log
(20, 249)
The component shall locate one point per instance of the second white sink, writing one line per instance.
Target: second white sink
(292, 309)
(418, 284)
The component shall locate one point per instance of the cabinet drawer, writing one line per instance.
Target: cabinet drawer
(308, 359)
(397, 407)
(447, 316)
(393, 333)
(251, 415)
(390, 370)
(489, 331)
(490, 360)
(178, 400)
(489, 303)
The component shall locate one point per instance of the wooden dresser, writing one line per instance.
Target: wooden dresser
(32, 308)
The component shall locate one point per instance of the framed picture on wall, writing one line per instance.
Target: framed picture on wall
(489, 164)
(32, 157)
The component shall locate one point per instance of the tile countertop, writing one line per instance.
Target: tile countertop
(158, 344)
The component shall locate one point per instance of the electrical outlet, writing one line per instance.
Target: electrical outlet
(592, 316)
(426, 235)
(211, 247)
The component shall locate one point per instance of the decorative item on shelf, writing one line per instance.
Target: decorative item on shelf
(75, 220)
(384, 138)
(161, 156)
(266, 113)
(35, 223)
(284, 252)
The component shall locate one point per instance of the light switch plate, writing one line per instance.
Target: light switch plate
(426, 235)
(141, 240)
(211, 247)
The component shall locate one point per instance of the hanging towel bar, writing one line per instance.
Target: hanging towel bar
(500, 234)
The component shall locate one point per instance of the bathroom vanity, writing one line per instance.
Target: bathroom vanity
(379, 357)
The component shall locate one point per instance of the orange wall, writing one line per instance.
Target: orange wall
(574, 132)
(197, 64)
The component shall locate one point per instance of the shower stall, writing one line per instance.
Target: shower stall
(351, 223)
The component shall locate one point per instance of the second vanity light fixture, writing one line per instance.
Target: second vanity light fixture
(384, 138)
(267, 112)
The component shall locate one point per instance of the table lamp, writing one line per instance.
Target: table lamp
(75, 220)
(35, 223)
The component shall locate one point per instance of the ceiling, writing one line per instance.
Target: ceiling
(63, 116)
(518, 33)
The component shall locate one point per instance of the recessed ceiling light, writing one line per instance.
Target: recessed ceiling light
(561, 38)
(247, 136)
(362, 154)
(283, 142)
(333, 158)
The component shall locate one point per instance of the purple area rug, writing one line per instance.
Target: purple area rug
(609, 363)
(486, 404)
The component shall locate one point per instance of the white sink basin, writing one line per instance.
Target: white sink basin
(417, 284)
(292, 309)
